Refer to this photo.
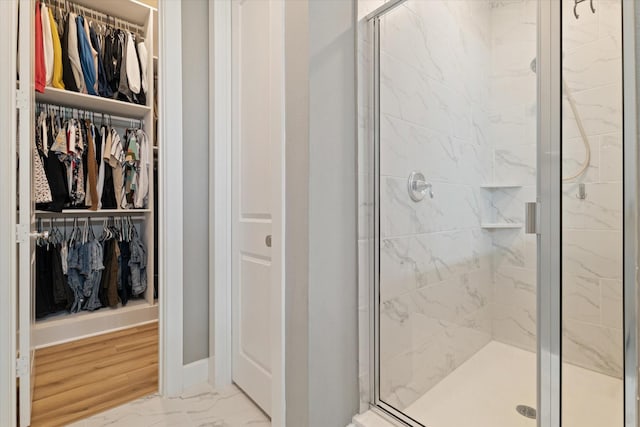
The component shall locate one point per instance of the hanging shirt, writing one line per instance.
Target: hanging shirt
(40, 70)
(124, 92)
(68, 76)
(74, 53)
(133, 69)
(94, 53)
(86, 54)
(103, 85)
(47, 41)
(142, 184)
(115, 161)
(91, 198)
(144, 58)
(56, 80)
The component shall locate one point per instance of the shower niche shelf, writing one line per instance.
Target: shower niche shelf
(501, 225)
(498, 186)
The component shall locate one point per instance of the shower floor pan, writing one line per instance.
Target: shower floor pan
(486, 389)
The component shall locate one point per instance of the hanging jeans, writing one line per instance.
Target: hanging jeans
(92, 268)
(138, 266)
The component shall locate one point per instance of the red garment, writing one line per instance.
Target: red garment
(41, 72)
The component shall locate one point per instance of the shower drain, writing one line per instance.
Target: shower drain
(526, 411)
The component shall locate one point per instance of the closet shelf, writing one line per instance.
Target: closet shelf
(133, 11)
(99, 212)
(500, 225)
(492, 186)
(97, 104)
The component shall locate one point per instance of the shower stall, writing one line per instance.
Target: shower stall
(498, 212)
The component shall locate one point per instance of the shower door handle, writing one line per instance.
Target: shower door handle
(531, 218)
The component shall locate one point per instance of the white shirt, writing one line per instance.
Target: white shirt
(74, 55)
(144, 57)
(133, 70)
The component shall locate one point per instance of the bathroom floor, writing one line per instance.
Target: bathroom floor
(485, 390)
(199, 406)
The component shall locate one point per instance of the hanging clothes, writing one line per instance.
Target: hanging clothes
(47, 39)
(40, 69)
(141, 196)
(92, 199)
(86, 55)
(56, 80)
(103, 85)
(41, 189)
(74, 53)
(138, 266)
(108, 198)
(68, 76)
(112, 59)
(55, 169)
(109, 284)
(116, 161)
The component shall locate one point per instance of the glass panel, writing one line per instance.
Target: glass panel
(457, 273)
(592, 246)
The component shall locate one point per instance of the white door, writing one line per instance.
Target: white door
(26, 216)
(257, 135)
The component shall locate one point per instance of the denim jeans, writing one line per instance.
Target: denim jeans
(138, 266)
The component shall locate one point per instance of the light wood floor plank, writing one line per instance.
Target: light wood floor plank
(78, 379)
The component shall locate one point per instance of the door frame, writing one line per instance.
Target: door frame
(220, 107)
(170, 212)
(630, 230)
(170, 215)
(8, 249)
(549, 211)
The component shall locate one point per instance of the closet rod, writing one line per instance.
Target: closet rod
(78, 113)
(100, 17)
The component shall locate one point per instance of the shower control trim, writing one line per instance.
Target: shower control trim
(418, 187)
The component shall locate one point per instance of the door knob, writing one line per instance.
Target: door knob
(267, 240)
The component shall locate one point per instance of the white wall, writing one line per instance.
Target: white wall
(322, 388)
(333, 387)
(195, 143)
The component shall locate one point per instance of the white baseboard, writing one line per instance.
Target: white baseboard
(195, 373)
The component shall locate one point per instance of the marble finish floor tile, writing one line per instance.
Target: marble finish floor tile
(199, 406)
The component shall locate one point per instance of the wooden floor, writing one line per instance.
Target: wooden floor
(81, 378)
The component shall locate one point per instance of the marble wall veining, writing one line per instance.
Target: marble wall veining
(512, 130)
(435, 260)
(592, 227)
(458, 103)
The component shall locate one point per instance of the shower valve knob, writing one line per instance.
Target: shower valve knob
(418, 187)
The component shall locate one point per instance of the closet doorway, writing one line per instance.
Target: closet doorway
(84, 308)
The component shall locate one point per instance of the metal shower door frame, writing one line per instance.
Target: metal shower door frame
(549, 192)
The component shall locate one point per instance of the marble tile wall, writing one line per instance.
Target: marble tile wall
(435, 260)
(592, 228)
(512, 130)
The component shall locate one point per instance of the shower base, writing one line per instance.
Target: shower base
(486, 389)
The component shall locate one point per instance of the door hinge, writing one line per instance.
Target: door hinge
(22, 366)
(22, 99)
(22, 233)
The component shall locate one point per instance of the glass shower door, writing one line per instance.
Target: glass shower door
(592, 215)
(456, 113)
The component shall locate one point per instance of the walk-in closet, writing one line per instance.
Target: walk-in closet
(87, 184)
